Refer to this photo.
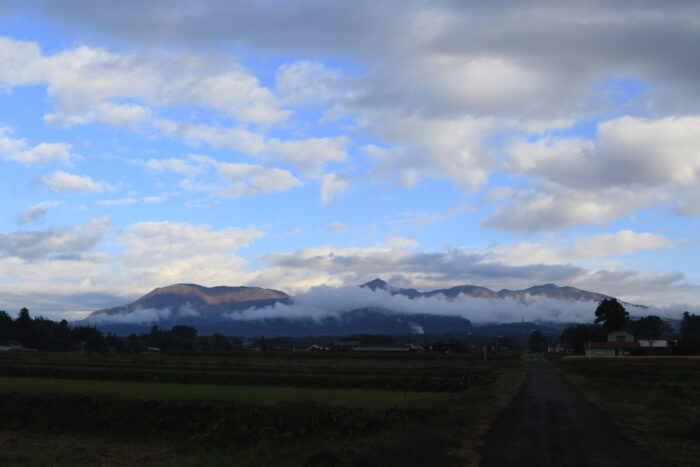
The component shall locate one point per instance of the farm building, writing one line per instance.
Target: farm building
(619, 343)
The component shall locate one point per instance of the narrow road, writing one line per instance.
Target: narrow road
(549, 423)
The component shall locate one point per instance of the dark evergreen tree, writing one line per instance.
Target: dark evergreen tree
(690, 333)
(6, 325)
(538, 343)
(611, 314)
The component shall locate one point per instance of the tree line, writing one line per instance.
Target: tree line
(47, 335)
(612, 316)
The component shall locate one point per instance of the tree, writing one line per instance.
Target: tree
(690, 333)
(576, 337)
(24, 328)
(5, 326)
(538, 343)
(612, 314)
(651, 328)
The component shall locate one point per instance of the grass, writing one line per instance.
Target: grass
(654, 399)
(370, 399)
(77, 409)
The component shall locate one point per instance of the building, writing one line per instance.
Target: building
(619, 343)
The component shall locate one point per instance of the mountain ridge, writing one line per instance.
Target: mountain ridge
(548, 290)
(233, 310)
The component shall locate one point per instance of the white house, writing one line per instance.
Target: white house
(656, 343)
(619, 343)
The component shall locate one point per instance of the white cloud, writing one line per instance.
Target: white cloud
(310, 155)
(583, 249)
(63, 182)
(18, 150)
(239, 179)
(36, 212)
(624, 242)
(632, 164)
(43, 153)
(59, 270)
(627, 151)
(325, 302)
(418, 219)
(335, 228)
(333, 185)
(118, 202)
(62, 242)
(119, 115)
(154, 199)
(400, 243)
(174, 165)
(305, 82)
(194, 134)
(88, 83)
(455, 149)
(158, 253)
(250, 180)
(135, 316)
(151, 243)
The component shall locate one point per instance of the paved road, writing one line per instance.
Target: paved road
(549, 423)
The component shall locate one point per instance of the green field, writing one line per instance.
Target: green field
(249, 408)
(655, 400)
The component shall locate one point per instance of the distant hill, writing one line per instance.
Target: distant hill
(213, 309)
(188, 299)
(547, 290)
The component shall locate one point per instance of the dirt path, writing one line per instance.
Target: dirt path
(549, 423)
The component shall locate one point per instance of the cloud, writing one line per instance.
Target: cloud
(418, 147)
(43, 153)
(417, 219)
(592, 249)
(153, 242)
(216, 136)
(305, 83)
(627, 151)
(335, 228)
(135, 316)
(63, 182)
(250, 180)
(56, 243)
(310, 155)
(631, 164)
(36, 212)
(396, 260)
(173, 165)
(118, 115)
(327, 302)
(89, 84)
(118, 202)
(65, 270)
(332, 186)
(239, 179)
(18, 150)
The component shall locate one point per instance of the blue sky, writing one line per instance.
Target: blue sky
(297, 144)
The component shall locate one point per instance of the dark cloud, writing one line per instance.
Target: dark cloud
(573, 45)
(57, 242)
(447, 265)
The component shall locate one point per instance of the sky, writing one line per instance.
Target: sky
(298, 144)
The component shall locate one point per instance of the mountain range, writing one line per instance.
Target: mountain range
(218, 309)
